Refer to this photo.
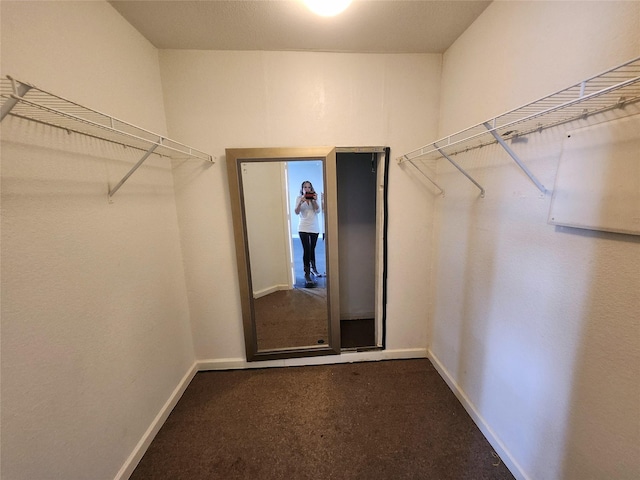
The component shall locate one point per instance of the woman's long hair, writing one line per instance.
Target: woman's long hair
(302, 187)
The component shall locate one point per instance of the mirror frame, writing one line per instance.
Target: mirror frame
(234, 159)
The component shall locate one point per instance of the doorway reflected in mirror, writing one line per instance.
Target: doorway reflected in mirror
(306, 177)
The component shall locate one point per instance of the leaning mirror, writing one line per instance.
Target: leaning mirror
(283, 202)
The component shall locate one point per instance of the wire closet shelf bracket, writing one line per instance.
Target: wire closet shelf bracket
(611, 89)
(26, 101)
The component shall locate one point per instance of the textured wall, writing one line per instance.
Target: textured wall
(537, 325)
(95, 328)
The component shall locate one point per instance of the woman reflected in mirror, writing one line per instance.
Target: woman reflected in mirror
(308, 206)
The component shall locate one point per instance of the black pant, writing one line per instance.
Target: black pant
(309, 241)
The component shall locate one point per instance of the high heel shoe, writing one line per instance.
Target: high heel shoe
(308, 282)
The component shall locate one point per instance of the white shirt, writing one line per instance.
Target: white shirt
(308, 217)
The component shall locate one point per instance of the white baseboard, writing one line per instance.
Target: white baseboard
(346, 357)
(270, 290)
(484, 427)
(142, 446)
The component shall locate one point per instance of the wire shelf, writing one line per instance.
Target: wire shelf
(610, 89)
(26, 101)
(23, 100)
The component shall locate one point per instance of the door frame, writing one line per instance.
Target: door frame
(383, 155)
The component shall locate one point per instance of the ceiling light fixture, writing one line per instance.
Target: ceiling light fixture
(327, 8)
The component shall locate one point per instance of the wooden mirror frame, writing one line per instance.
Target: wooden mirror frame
(234, 158)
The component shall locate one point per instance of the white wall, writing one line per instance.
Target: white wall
(95, 329)
(264, 196)
(536, 326)
(218, 100)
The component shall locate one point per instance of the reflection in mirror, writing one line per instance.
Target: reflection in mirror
(283, 247)
(286, 252)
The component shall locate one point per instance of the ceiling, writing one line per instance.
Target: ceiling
(367, 26)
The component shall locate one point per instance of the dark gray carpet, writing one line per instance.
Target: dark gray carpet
(358, 333)
(393, 419)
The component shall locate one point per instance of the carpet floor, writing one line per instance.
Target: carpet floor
(393, 419)
(358, 333)
(292, 318)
